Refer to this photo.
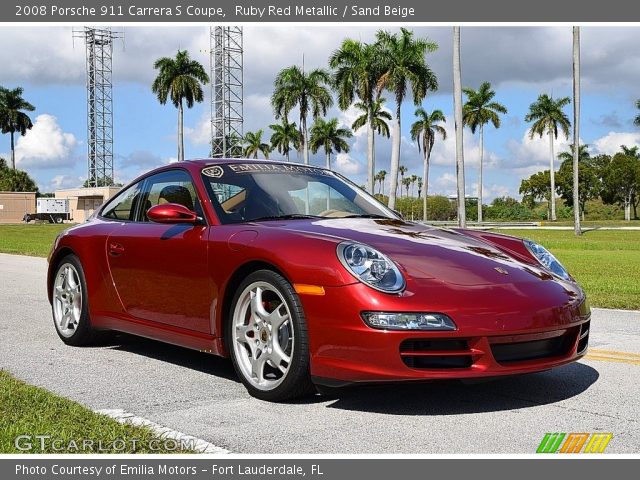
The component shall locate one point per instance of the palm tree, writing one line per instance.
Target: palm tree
(414, 179)
(285, 135)
(425, 130)
(576, 130)
(375, 118)
(420, 185)
(630, 151)
(636, 120)
(404, 66)
(457, 107)
(376, 179)
(181, 79)
(583, 153)
(331, 137)
(476, 113)
(12, 117)
(402, 170)
(382, 175)
(309, 91)
(357, 73)
(407, 183)
(547, 115)
(254, 144)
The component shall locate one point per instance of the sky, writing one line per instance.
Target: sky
(519, 62)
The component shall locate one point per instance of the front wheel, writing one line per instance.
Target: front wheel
(267, 338)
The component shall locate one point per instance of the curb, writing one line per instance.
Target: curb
(202, 446)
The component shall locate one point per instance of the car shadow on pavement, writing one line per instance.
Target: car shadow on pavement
(183, 357)
(450, 397)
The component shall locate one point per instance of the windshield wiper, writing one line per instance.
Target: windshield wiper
(290, 216)
(367, 215)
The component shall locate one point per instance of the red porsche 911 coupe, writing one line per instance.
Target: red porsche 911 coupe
(303, 279)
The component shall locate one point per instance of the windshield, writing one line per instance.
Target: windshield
(246, 192)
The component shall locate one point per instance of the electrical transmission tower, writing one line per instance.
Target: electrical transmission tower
(99, 51)
(226, 91)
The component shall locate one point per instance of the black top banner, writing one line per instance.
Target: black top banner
(241, 11)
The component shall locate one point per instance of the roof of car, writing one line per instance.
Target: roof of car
(223, 161)
(196, 164)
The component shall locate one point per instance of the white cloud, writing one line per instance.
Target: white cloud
(494, 190)
(532, 56)
(346, 165)
(201, 133)
(63, 181)
(444, 184)
(610, 143)
(46, 145)
(532, 153)
(444, 151)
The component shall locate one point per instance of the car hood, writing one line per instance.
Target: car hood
(425, 252)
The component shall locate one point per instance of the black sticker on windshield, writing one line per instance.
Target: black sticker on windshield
(217, 171)
(274, 168)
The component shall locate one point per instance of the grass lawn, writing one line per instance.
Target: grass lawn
(29, 410)
(29, 239)
(605, 262)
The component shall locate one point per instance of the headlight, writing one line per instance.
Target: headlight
(408, 321)
(546, 258)
(371, 267)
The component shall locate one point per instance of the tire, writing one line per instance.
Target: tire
(272, 366)
(69, 308)
(58, 219)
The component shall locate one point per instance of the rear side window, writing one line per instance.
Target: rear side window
(124, 205)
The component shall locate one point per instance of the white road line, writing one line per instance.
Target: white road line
(197, 444)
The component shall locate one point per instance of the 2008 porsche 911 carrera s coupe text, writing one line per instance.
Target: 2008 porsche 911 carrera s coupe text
(303, 279)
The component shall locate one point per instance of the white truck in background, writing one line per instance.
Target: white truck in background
(53, 210)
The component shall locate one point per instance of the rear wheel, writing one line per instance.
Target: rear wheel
(267, 337)
(69, 306)
(58, 219)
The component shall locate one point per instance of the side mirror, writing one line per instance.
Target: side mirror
(171, 213)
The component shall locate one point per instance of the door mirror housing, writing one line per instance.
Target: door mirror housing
(171, 213)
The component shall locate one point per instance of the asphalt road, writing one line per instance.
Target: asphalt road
(199, 394)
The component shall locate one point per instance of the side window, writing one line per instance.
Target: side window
(174, 186)
(124, 205)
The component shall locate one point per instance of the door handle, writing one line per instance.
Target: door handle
(115, 249)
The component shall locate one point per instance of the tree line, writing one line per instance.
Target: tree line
(614, 179)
